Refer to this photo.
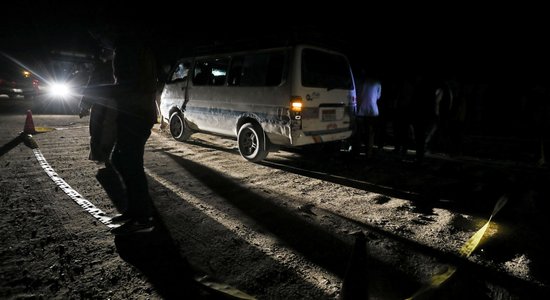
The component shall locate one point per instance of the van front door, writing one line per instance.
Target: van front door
(175, 93)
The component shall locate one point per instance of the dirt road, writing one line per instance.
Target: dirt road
(281, 229)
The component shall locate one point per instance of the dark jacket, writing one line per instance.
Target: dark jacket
(133, 93)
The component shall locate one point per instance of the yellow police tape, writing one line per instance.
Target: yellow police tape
(465, 251)
(43, 129)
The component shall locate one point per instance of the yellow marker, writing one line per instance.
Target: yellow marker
(466, 250)
(473, 242)
(43, 129)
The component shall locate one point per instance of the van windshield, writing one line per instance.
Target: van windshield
(325, 70)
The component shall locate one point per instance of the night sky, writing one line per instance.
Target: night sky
(471, 42)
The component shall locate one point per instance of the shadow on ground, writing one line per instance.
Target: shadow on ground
(462, 186)
(320, 246)
(158, 258)
(109, 180)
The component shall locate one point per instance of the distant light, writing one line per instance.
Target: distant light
(27, 74)
(59, 90)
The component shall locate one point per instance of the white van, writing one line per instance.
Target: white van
(289, 96)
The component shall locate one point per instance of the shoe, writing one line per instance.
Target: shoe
(132, 227)
(119, 219)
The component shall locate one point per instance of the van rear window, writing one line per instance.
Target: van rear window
(325, 70)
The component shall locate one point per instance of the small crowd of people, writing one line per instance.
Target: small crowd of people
(422, 112)
(429, 114)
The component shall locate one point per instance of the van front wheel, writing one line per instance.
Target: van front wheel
(252, 142)
(178, 127)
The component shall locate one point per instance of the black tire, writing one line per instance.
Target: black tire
(178, 127)
(252, 142)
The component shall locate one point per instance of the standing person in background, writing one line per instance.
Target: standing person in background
(402, 117)
(369, 91)
(539, 97)
(386, 108)
(438, 137)
(133, 94)
(458, 117)
(426, 100)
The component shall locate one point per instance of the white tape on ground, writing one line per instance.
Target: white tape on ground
(100, 215)
(87, 205)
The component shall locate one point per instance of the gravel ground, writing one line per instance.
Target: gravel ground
(285, 228)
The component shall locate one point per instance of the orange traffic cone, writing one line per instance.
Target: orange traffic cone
(29, 124)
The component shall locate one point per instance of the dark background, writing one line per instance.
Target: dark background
(477, 43)
(502, 50)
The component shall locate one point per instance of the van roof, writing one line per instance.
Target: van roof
(266, 42)
(241, 51)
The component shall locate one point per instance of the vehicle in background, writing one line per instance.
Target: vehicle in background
(66, 74)
(18, 84)
(289, 96)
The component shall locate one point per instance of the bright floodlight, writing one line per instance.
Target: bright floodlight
(59, 90)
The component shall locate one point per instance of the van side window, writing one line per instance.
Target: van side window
(235, 72)
(180, 73)
(210, 71)
(262, 69)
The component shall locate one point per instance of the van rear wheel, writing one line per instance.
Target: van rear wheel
(178, 127)
(252, 142)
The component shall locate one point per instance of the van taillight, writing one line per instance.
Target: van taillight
(296, 112)
(296, 104)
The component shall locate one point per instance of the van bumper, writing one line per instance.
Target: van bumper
(301, 138)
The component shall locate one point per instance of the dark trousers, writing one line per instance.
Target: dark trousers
(364, 135)
(424, 129)
(127, 159)
(102, 132)
(401, 128)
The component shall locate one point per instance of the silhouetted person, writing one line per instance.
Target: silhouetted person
(425, 112)
(458, 118)
(402, 118)
(133, 94)
(386, 109)
(539, 96)
(439, 134)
